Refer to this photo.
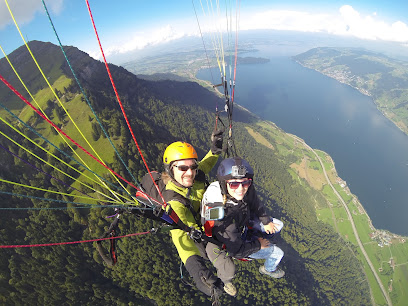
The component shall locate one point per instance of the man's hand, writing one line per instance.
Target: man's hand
(265, 243)
(216, 138)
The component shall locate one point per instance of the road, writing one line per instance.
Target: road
(351, 221)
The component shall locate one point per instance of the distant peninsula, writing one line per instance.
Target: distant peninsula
(252, 60)
(373, 74)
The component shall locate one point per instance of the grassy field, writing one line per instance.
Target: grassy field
(76, 124)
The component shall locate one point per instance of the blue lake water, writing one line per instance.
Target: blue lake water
(369, 151)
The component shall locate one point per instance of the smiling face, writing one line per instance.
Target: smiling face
(183, 172)
(237, 188)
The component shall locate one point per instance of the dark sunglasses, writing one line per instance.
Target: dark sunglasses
(235, 185)
(185, 167)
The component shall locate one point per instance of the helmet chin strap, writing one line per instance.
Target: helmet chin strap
(223, 185)
(171, 174)
(170, 171)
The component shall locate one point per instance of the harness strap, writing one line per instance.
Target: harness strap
(169, 216)
(111, 232)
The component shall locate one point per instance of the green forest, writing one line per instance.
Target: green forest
(321, 269)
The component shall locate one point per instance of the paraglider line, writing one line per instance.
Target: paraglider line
(67, 202)
(70, 242)
(121, 105)
(38, 169)
(86, 97)
(62, 132)
(44, 161)
(61, 151)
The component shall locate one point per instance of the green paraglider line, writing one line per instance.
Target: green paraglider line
(131, 206)
(86, 97)
(58, 149)
(63, 133)
(44, 161)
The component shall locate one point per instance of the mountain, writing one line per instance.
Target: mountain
(383, 78)
(321, 268)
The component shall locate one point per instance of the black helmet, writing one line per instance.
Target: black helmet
(233, 168)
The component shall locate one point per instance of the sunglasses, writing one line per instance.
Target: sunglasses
(185, 168)
(235, 185)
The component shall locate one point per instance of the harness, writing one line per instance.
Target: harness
(154, 200)
(152, 208)
(170, 217)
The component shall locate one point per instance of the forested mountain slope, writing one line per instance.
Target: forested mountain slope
(320, 268)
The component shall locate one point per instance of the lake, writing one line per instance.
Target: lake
(370, 152)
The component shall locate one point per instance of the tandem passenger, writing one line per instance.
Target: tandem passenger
(245, 228)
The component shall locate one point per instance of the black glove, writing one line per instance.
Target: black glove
(196, 235)
(216, 138)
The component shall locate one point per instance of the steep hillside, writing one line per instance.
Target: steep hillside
(321, 269)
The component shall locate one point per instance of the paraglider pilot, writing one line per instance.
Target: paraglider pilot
(185, 176)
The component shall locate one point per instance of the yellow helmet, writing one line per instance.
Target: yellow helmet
(176, 151)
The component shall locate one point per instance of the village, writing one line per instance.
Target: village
(385, 238)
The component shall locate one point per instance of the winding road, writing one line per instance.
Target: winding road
(351, 221)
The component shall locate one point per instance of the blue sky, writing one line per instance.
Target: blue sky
(131, 25)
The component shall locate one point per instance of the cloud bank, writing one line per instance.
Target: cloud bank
(347, 22)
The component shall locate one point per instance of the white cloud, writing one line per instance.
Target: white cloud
(369, 27)
(24, 11)
(284, 20)
(348, 21)
(141, 40)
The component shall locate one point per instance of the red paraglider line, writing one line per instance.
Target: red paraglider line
(56, 127)
(69, 242)
(121, 106)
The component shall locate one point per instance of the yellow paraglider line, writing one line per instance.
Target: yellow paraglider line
(66, 111)
(60, 160)
(213, 35)
(85, 96)
(35, 101)
(216, 37)
(217, 40)
(56, 192)
(53, 145)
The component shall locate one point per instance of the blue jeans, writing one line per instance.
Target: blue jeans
(272, 254)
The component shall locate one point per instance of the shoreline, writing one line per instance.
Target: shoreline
(360, 206)
(362, 91)
(357, 202)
